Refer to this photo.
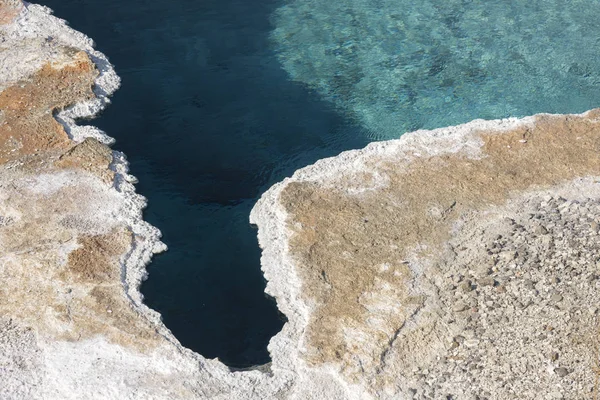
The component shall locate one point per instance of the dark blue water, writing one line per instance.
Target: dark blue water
(208, 120)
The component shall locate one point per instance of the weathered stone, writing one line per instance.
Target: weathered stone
(561, 371)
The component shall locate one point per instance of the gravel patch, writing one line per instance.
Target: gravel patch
(521, 290)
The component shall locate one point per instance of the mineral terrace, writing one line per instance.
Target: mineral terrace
(459, 263)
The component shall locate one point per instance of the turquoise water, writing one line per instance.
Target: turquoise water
(223, 98)
(400, 65)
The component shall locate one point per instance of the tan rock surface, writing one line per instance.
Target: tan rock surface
(82, 295)
(349, 244)
(9, 9)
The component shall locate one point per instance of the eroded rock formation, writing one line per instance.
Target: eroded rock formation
(371, 232)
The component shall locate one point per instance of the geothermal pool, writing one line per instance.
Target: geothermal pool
(221, 99)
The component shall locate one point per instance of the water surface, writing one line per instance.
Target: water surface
(402, 65)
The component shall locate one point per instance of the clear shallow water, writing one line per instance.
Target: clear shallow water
(401, 65)
(222, 98)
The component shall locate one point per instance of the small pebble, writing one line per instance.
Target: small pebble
(561, 371)
(556, 297)
(459, 306)
(487, 281)
(465, 286)
(529, 284)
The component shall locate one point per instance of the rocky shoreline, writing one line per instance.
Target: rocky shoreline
(74, 245)
(387, 277)
(458, 263)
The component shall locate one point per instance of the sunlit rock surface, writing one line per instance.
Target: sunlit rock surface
(391, 256)
(453, 263)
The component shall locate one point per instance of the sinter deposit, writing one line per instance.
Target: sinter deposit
(459, 263)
